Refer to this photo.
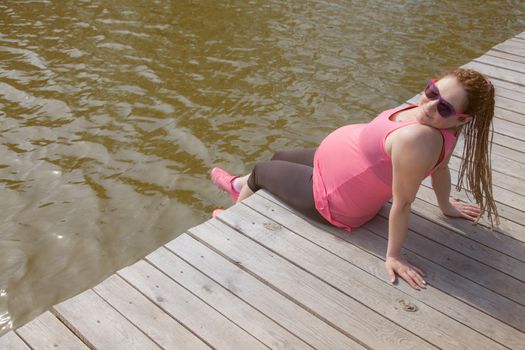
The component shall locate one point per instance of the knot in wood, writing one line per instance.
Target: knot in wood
(407, 306)
(272, 226)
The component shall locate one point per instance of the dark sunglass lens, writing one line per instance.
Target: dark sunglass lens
(444, 110)
(430, 93)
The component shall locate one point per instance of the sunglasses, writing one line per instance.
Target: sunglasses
(444, 108)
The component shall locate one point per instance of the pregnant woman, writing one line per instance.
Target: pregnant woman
(357, 168)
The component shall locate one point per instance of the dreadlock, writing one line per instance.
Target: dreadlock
(475, 163)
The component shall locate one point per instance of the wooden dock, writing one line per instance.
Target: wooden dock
(262, 277)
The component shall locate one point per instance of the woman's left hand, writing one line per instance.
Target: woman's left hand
(458, 208)
(411, 274)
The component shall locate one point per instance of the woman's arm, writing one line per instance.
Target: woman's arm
(413, 154)
(394, 263)
(451, 206)
(441, 185)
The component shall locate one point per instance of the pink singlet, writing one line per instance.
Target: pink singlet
(352, 176)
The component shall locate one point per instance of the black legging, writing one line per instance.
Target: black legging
(288, 175)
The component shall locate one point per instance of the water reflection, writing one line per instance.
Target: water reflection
(113, 112)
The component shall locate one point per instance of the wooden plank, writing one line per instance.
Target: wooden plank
(496, 72)
(507, 154)
(521, 35)
(502, 180)
(507, 242)
(209, 325)
(47, 332)
(510, 104)
(469, 248)
(457, 286)
(248, 318)
(508, 90)
(506, 226)
(514, 313)
(11, 341)
(511, 46)
(146, 316)
(329, 304)
(502, 63)
(509, 142)
(503, 87)
(511, 202)
(512, 95)
(502, 154)
(482, 274)
(493, 305)
(260, 295)
(505, 55)
(504, 161)
(507, 189)
(473, 299)
(443, 299)
(509, 115)
(510, 218)
(99, 325)
(499, 178)
(477, 272)
(510, 129)
(378, 295)
(518, 42)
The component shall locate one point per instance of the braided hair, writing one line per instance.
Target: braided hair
(475, 164)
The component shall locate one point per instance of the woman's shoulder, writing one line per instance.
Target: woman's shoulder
(424, 137)
(416, 148)
(418, 131)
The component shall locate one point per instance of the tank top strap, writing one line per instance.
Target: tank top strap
(449, 142)
(389, 113)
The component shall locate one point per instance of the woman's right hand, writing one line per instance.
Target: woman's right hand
(410, 273)
(458, 208)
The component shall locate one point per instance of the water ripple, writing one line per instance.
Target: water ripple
(112, 113)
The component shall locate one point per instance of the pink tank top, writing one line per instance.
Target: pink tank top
(352, 176)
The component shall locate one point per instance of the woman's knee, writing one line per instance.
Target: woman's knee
(303, 156)
(255, 176)
(279, 155)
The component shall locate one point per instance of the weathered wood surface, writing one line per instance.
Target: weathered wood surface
(182, 305)
(335, 307)
(240, 312)
(374, 293)
(260, 276)
(509, 56)
(11, 341)
(261, 296)
(47, 332)
(99, 325)
(448, 292)
(152, 320)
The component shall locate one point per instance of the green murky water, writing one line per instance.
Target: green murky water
(113, 112)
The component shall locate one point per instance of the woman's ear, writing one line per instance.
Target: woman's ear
(464, 120)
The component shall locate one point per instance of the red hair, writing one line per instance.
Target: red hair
(475, 164)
